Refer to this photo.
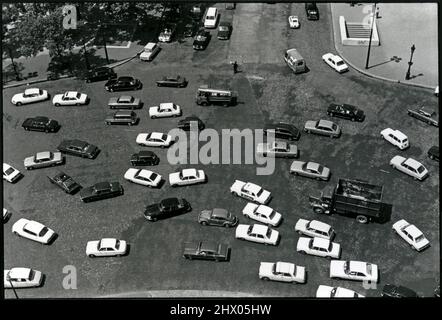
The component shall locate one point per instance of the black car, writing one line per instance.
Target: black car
(346, 111)
(283, 130)
(41, 124)
(206, 250)
(433, 153)
(392, 291)
(424, 114)
(65, 182)
(99, 74)
(201, 40)
(123, 83)
(176, 81)
(224, 30)
(166, 208)
(144, 158)
(186, 123)
(78, 148)
(189, 30)
(101, 190)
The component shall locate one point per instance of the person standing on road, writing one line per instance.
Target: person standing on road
(235, 67)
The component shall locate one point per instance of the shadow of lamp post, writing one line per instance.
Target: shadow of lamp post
(102, 30)
(410, 63)
(373, 18)
(13, 289)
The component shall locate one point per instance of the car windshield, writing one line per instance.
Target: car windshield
(369, 268)
(117, 244)
(31, 274)
(153, 176)
(43, 232)
(421, 169)
(259, 192)
(272, 214)
(340, 63)
(268, 233)
(9, 171)
(164, 137)
(223, 28)
(419, 238)
(334, 127)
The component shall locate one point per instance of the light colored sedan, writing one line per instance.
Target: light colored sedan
(107, 247)
(409, 166)
(334, 61)
(336, 292)
(165, 110)
(319, 247)
(22, 278)
(187, 177)
(30, 96)
(323, 127)
(150, 51)
(10, 174)
(294, 22)
(43, 159)
(154, 139)
(33, 230)
(314, 228)
(411, 234)
(282, 271)
(354, 270)
(277, 149)
(310, 169)
(142, 176)
(70, 98)
(257, 233)
(262, 213)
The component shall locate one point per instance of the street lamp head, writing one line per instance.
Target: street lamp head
(413, 47)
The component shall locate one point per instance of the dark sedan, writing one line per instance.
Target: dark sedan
(41, 124)
(424, 114)
(217, 217)
(166, 208)
(122, 84)
(188, 122)
(78, 148)
(65, 182)
(392, 291)
(189, 30)
(172, 81)
(206, 250)
(201, 40)
(224, 30)
(433, 153)
(144, 158)
(101, 190)
(101, 73)
(346, 111)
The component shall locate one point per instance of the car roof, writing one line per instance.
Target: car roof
(145, 153)
(285, 267)
(259, 229)
(76, 142)
(102, 186)
(169, 202)
(40, 119)
(34, 226)
(399, 134)
(144, 173)
(20, 273)
(358, 266)
(166, 105)
(321, 242)
(279, 144)
(413, 231)
(125, 97)
(318, 225)
(209, 246)
(189, 172)
(264, 210)
(124, 112)
(412, 163)
(252, 187)
(219, 212)
(43, 155)
(150, 45)
(32, 91)
(325, 123)
(126, 78)
(313, 166)
(224, 24)
(71, 94)
(108, 243)
(156, 135)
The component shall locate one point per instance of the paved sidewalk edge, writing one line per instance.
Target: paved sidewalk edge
(180, 294)
(335, 41)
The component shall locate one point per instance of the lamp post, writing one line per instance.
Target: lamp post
(373, 17)
(410, 63)
(104, 43)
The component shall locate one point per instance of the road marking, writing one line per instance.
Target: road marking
(384, 171)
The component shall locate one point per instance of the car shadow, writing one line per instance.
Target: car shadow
(55, 237)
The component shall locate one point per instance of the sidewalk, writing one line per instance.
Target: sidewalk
(399, 26)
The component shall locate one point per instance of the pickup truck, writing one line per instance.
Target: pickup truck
(125, 102)
(425, 115)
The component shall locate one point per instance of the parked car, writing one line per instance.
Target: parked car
(310, 169)
(144, 177)
(175, 81)
(123, 84)
(31, 95)
(336, 292)
(201, 40)
(43, 159)
(101, 190)
(122, 117)
(323, 127)
(144, 158)
(335, 62)
(353, 270)
(392, 291)
(125, 102)
(10, 174)
(6, 215)
(346, 111)
(319, 247)
(154, 139)
(206, 250)
(65, 182)
(41, 124)
(187, 177)
(277, 149)
(189, 30)
(257, 233)
(190, 122)
(165, 110)
(294, 22)
(22, 278)
(433, 153)
(33, 230)
(315, 228)
(167, 33)
(282, 271)
(70, 98)
(217, 217)
(282, 130)
(150, 51)
(106, 247)
(250, 191)
(424, 114)
(100, 73)
(166, 208)
(262, 213)
(411, 234)
(224, 30)
(409, 166)
(396, 138)
(78, 148)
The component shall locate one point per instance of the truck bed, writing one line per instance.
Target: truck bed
(359, 190)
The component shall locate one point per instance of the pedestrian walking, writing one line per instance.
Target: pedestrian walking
(235, 67)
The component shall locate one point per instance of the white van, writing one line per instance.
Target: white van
(295, 61)
(211, 18)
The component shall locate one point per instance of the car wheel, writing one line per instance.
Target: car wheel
(107, 122)
(88, 80)
(154, 219)
(431, 157)
(57, 104)
(153, 117)
(204, 223)
(226, 225)
(303, 252)
(189, 257)
(129, 124)
(352, 119)
(77, 104)
(329, 257)
(362, 219)
(318, 178)
(234, 193)
(26, 128)
(265, 278)
(330, 114)
(264, 154)
(16, 233)
(18, 104)
(29, 168)
(91, 256)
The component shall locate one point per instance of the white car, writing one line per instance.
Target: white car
(70, 98)
(262, 213)
(165, 110)
(10, 174)
(257, 233)
(150, 51)
(319, 247)
(314, 228)
(187, 177)
(294, 22)
(336, 292)
(21, 278)
(107, 247)
(354, 270)
(29, 96)
(396, 138)
(335, 62)
(142, 176)
(33, 230)
(409, 166)
(282, 271)
(250, 191)
(411, 234)
(154, 139)
(43, 159)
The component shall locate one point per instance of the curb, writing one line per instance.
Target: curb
(368, 74)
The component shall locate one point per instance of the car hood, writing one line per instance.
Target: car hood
(87, 192)
(301, 224)
(264, 197)
(241, 230)
(17, 97)
(92, 247)
(337, 268)
(223, 33)
(296, 166)
(152, 210)
(310, 124)
(174, 177)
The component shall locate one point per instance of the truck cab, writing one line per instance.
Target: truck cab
(206, 96)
